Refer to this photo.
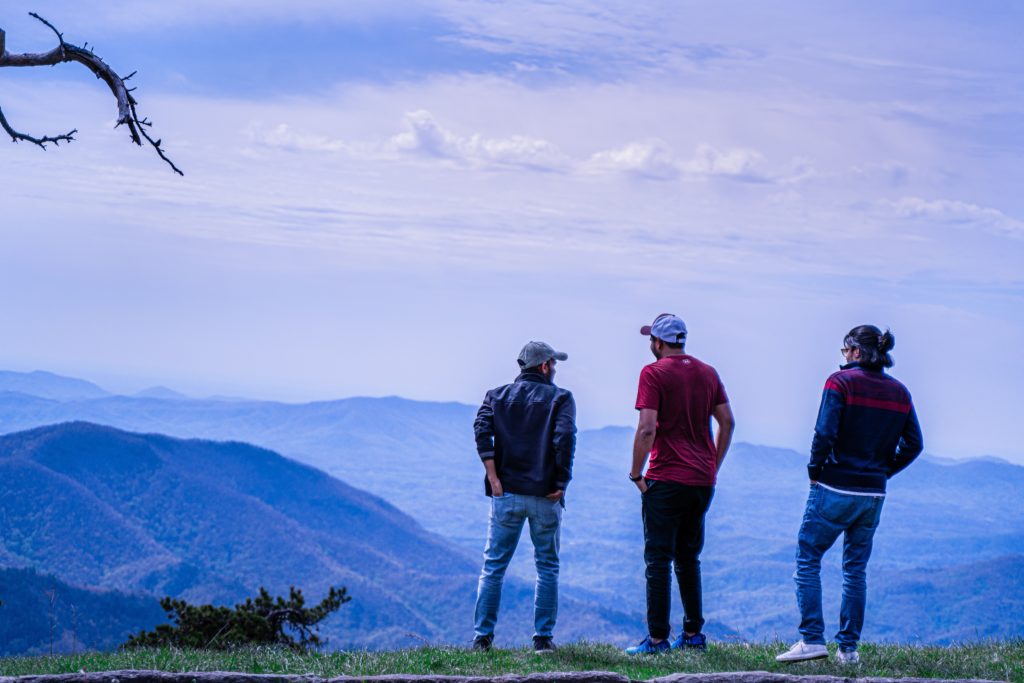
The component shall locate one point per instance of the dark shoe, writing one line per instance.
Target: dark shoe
(483, 643)
(648, 647)
(695, 642)
(542, 645)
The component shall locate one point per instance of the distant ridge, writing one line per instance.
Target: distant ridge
(941, 460)
(48, 385)
(163, 393)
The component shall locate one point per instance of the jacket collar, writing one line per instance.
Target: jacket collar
(532, 375)
(862, 366)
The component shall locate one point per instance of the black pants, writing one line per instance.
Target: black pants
(674, 532)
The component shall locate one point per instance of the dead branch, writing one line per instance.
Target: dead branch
(127, 113)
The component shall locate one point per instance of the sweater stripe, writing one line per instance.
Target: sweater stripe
(868, 402)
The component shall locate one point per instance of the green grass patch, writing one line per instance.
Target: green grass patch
(1001, 661)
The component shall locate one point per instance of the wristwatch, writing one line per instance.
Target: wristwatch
(636, 478)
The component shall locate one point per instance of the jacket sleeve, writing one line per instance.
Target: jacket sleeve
(564, 439)
(483, 428)
(910, 446)
(826, 429)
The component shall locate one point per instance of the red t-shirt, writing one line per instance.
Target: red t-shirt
(685, 392)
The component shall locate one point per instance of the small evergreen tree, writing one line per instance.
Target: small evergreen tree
(264, 620)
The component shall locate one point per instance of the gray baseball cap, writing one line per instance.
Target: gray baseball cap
(535, 353)
(666, 327)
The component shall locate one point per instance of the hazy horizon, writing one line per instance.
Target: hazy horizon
(132, 390)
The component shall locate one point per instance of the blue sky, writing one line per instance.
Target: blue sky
(392, 197)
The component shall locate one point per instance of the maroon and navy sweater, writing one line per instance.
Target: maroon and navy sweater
(867, 430)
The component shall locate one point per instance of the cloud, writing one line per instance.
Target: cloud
(953, 212)
(126, 15)
(656, 161)
(608, 36)
(800, 169)
(653, 160)
(894, 173)
(739, 163)
(425, 138)
(283, 137)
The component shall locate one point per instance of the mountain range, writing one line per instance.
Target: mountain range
(941, 519)
(48, 385)
(211, 522)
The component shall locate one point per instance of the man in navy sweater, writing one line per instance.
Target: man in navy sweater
(866, 432)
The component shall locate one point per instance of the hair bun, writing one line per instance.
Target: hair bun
(886, 342)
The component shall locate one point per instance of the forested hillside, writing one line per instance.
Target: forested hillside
(214, 521)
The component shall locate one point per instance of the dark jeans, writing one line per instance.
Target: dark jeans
(674, 532)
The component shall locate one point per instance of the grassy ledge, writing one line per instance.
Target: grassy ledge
(1001, 661)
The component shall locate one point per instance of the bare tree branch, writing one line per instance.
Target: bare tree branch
(60, 36)
(127, 113)
(42, 142)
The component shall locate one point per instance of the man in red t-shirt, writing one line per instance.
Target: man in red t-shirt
(678, 397)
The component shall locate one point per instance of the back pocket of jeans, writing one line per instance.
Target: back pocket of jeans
(836, 507)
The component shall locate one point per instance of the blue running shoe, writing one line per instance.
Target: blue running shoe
(647, 647)
(695, 642)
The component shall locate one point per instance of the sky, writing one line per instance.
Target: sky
(391, 198)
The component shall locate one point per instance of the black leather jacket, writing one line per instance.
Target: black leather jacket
(529, 428)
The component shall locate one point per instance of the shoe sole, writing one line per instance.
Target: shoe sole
(543, 652)
(801, 658)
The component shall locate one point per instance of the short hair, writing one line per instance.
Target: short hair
(671, 345)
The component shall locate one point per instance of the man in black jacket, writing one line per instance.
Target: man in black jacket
(526, 436)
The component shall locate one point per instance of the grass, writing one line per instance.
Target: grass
(1001, 661)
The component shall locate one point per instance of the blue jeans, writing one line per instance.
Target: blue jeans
(827, 515)
(508, 513)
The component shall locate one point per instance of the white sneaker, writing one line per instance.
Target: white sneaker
(801, 652)
(850, 657)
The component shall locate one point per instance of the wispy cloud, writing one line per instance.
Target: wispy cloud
(652, 160)
(740, 164)
(282, 136)
(893, 173)
(425, 138)
(141, 14)
(657, 161)
(609, 35)
(954, 212)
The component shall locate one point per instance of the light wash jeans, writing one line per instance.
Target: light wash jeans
(829, 514)
(508, 513)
